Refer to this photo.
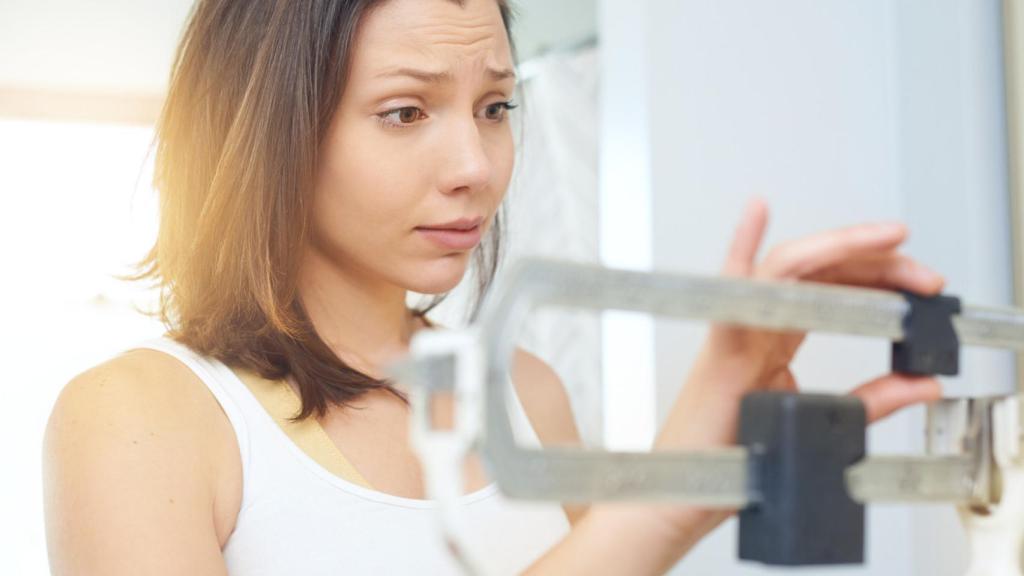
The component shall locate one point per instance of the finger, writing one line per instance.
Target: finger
(747, 239)
(890, 271)
(887, 394)
(810, 255)
(783, 380)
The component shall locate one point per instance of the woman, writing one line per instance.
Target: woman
(318, 160)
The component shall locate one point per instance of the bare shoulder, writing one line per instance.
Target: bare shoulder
(138, 386)
(133, 451)
(144, 396)
(544, 399)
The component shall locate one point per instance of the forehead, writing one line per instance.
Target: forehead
(434, 33)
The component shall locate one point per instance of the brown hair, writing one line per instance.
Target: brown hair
(253, 89)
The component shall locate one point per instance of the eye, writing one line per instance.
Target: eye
(496, 112)
(401, 117)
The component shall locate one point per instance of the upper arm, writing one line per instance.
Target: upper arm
(129, 480)
(547, 406)
(544, 399)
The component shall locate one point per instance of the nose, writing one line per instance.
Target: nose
(465, 165)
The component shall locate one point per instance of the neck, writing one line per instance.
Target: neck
(365, 321)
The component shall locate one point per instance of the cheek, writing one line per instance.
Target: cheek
(502, 155)
(364, 197)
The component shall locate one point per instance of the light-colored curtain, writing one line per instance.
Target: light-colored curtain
(553, 212)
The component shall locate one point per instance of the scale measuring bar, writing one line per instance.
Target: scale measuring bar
(721, 477)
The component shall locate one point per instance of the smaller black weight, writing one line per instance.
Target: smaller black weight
(930, 345)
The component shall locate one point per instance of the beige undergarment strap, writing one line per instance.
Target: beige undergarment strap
(281, 402)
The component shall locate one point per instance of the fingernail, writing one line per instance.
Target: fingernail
(929, 276)
(892, 228)
(753, 205)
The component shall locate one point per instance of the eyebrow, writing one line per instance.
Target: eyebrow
(429, 77)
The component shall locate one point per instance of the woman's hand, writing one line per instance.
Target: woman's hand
(735, 360)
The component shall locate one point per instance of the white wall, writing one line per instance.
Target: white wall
(119, 46)
(837, 112)
(627, 354)
(77, 211)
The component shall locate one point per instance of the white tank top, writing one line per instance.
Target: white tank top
(296, 518)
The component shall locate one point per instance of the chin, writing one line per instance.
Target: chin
(438, 276)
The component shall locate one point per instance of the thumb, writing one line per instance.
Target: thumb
(885, 395)
(747, 239)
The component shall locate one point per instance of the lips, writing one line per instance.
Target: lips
(461, 234)
(462, 224)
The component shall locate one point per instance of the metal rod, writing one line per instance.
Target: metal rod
(715, 478)
(779, 306)
(910, 479)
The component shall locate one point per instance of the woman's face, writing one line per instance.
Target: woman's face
(420, 139)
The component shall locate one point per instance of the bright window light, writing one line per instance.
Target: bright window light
(78, 209)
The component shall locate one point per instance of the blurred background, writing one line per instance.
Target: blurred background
(646, 126)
